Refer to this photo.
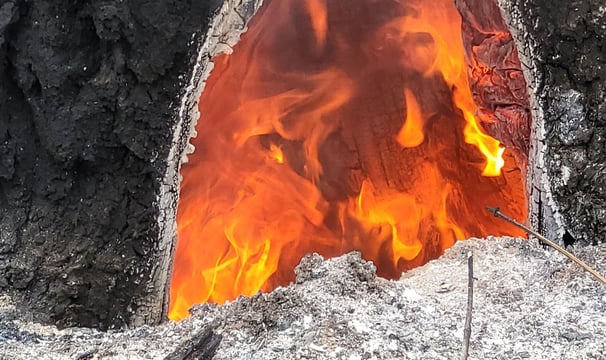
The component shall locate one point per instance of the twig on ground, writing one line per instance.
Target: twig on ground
(467, 328)
(496, 211)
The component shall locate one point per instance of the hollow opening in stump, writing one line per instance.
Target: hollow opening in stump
(379, 126)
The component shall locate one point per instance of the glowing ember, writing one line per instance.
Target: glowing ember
(336, 126)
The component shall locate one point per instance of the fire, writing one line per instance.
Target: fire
(336, 126)
(411, 134)
(318, 17)
(276, 153)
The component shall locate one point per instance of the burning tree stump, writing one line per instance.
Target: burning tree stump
(90, 145)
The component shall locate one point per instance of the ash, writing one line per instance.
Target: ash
(529, 302)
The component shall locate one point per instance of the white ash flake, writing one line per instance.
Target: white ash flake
(529, 303)
(409, 294)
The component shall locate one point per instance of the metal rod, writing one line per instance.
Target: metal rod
(497, 212)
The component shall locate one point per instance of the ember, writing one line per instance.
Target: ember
(336, 126)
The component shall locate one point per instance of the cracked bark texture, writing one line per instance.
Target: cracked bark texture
(88, 99)
(561, 46)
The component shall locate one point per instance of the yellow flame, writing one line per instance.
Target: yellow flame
(276, 153)
(411, 134)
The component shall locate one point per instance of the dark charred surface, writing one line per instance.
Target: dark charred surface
(88, 98)
(496, 79)
(202, 346)
(567, 38)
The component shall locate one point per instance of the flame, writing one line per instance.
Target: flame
(428, 44)
(411, 134)
(276, 153)
(319, 20)
(336, 126)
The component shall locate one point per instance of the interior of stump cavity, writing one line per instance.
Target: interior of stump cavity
(337, 126)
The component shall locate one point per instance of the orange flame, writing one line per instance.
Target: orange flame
(302, 148)
(428, 44)
(319, 20)
(411, 134)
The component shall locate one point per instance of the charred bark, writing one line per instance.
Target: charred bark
(562, 50)
(87, 107)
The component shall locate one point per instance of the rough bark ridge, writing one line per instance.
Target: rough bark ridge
(87, 103)
(562, 46)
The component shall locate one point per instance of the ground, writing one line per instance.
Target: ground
(529, 302)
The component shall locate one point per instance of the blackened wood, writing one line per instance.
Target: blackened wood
(202, 346)
(562, 46)
(88, 100)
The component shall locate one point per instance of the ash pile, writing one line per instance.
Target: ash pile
(529, 302)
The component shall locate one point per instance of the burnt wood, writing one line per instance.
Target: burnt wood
(496, 78)
(201, 346)
(88, 97)
(563, 49)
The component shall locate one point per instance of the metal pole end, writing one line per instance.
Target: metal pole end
(494, 210)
